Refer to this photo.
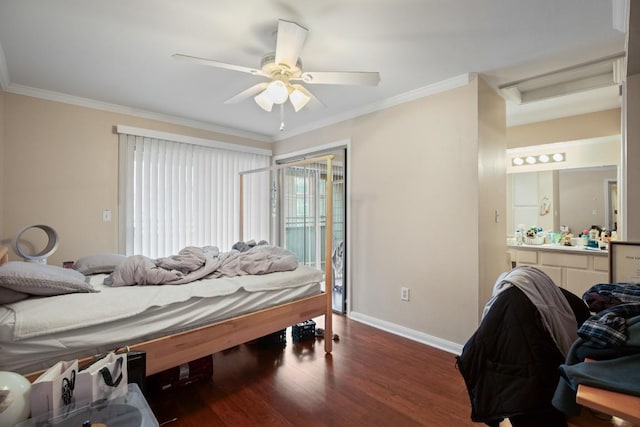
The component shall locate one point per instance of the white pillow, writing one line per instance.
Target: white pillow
(42, 279)
(99, 263)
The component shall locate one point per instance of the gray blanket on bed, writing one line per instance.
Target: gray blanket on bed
(194, 263)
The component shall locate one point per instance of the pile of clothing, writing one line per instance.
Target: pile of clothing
(527, 357)
(510, 364)
(610, 339)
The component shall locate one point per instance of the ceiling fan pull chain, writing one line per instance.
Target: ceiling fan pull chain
(281, 117)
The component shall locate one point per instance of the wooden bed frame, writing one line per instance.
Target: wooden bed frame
(173, 350)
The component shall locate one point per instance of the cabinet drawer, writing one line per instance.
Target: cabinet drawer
(564, 260)
(527, 257)
(601, 263)
(578, 281)
(555, 273)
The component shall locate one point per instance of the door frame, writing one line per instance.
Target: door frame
(306, 152)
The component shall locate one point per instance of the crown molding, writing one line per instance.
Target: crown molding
(432, 89)
(120, 109)
(442, 86)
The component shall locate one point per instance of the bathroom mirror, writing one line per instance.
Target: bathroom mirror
(577, 191)
(576, 198)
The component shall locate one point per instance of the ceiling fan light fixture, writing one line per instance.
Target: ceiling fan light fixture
(264, 101)
(284, 67)
(298, 99)
(277, 92)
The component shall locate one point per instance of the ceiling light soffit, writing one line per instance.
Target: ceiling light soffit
(592, 75)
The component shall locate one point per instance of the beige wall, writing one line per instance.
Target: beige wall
(60, 169)
(592, 125)
(492, 190)
(416, 185)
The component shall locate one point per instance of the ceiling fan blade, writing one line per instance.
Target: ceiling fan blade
(360, 78)
(248, 93)
(314, 103)
(289, 41)
(218, 64)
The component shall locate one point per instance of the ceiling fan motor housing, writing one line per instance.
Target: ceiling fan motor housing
(269, 67)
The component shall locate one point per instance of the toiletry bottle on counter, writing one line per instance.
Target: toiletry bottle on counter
(584, 238)
(593, 236)
(551, 237)
(518, 234)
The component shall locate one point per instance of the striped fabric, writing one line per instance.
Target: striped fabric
(177, 194)
(608, 327)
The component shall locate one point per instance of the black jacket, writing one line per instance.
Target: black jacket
(510, 364)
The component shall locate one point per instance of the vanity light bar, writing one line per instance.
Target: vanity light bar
(541, 158)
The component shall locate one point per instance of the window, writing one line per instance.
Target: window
(175, 194)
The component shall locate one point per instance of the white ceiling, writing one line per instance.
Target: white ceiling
(116, 54)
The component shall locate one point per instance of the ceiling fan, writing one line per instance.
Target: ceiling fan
(284, 68)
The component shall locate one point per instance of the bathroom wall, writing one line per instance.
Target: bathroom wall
(583, 126)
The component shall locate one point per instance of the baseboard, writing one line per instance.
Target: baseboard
(405, 332)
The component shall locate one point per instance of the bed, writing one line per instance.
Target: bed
(197, 323)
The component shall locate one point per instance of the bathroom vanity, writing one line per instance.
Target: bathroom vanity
(574, 268)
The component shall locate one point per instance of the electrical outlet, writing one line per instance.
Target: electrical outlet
(404, 293)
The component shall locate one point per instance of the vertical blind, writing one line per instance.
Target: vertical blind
(176, 194)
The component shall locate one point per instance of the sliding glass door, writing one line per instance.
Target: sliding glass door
(302, 218)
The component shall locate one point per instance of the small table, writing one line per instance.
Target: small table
(621, 405)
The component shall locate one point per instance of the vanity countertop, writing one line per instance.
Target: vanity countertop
(560, 248)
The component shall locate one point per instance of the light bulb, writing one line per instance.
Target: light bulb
(277, 92)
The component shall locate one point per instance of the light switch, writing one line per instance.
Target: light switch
(106, 215)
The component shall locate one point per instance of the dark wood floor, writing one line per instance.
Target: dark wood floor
(372, 378)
